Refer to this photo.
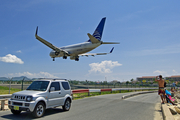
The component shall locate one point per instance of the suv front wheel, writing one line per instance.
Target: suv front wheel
(67, 105)
(15, 112)
(39, 110)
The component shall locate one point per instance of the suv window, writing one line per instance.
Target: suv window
(65, 85)
(38, 85)
(56, 85)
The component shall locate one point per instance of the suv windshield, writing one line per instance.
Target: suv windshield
(38, 85)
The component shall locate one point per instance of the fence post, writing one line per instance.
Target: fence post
(10, 85)
(22, 83)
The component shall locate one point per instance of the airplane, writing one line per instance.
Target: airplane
(81, 49)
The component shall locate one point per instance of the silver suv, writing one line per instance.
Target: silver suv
(41, 95)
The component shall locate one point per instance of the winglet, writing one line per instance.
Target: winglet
(36, 30)
(112, 50)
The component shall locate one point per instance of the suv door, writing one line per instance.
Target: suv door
(55, 97)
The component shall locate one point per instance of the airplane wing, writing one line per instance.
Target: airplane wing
(49, 44)
(93, 54)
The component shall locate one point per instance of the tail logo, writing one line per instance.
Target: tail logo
(97, 35)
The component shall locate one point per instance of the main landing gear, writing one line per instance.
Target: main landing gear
(76, 59)
(64, 57)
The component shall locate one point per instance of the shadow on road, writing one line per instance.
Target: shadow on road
(29, 116)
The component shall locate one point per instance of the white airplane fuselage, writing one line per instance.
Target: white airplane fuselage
(81, 49)
(76, 49)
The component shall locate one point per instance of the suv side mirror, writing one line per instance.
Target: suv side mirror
(52, 89)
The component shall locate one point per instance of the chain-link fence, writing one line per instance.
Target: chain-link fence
(75, 84)
(102, 85)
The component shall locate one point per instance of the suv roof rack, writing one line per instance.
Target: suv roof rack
(51, 79)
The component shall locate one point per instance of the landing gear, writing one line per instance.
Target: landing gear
(76, 59)
(53, 59)
(64, 57)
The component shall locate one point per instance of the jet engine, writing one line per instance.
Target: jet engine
(54, 54)
(76, 58)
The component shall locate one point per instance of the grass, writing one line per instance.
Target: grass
(83, 95)
(5, 90)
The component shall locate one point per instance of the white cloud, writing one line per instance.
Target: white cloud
(33, 75)
(174, 72)
(11, 59)
(159, 72)
(19, 51)
(103, 67)
(166, 73)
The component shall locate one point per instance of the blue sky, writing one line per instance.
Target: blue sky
(147, 30)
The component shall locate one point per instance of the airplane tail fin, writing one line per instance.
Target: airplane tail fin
(99, 30)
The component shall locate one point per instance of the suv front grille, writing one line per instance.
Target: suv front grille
(19, 97)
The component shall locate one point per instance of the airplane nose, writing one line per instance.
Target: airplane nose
(52, 54)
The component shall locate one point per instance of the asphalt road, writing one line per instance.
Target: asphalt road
(104, 107)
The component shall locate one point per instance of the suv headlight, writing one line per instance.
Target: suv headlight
(29, 98)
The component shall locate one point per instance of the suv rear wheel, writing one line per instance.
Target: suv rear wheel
(67, 105)
(39, 110)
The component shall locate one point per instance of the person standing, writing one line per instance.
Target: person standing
(174, 85)
(161, 90)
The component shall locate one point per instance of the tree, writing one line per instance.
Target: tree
(127, 82)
